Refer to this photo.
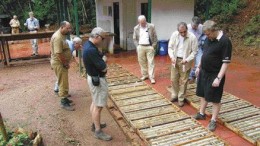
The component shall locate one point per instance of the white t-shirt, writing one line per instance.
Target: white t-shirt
(180, 47)
(144, 36)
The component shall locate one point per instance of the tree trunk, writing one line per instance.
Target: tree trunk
(2, 129)
(84, 12)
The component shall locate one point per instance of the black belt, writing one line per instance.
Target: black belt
(144, 44)
(179, 58)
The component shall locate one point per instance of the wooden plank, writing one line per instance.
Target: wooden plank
(127, 85)
(230, 106)
(134, 94)
(129, 90)
(158, 120)
(140, 99)
(209, 141)
(151, 112)
(165, 129)
(123, 78)
(145, 105)
(239, 114)
(182, 137)
(121, 74)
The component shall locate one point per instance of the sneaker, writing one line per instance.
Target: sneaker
(212, 125)
(70, 102)
(65, 105)
(199, 116)
(101, 135)
(102, 125)
(152, 81)
(181, 103)
(173, 98)
(143, 78)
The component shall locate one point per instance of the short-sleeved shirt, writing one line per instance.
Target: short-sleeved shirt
(32, 24)
(71, 45)
(92, 59)
(59, 45)
(215, 53)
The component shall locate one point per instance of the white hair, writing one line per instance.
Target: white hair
(77, 40)
(97, 31)
(210, 25)
(141, 17)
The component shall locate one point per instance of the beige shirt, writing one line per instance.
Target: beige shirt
(151, 32)
(14, 23)
(190, 47)
(59, 45)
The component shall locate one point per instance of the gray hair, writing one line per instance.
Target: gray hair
(63, 23)
(195, 20)
(31, 13)
(97, 31)
(210, 25)
(77, 40)
(182, 24)
(141, 17)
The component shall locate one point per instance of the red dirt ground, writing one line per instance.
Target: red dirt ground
(28, 101)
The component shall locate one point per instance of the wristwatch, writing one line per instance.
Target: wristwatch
(218, 78)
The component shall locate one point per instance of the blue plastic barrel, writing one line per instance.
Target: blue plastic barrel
(163, 47)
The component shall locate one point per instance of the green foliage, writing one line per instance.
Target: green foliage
(47, 11)
(222, 11)
(251, 31)
(15, 139)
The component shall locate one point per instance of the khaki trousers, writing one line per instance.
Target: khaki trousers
(179, 80)
(63, 80)
(146, 60)
(15, 30)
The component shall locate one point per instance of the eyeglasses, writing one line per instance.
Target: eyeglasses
(101, 37)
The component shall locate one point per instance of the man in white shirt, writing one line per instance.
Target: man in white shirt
(145, 40)
(182, 48)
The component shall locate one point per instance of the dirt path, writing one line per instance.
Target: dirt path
(27, 100)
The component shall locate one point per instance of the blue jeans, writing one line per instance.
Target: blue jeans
(197, 61)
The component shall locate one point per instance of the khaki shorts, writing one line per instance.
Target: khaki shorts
(99, 93)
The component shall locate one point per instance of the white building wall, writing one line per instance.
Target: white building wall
(166, 14)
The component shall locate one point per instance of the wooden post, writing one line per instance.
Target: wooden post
(2, 129)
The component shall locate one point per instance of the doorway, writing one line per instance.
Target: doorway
(144, 9)
(116, 23)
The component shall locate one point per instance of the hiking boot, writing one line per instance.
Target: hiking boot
(212, 125)
(199, 116)
(65, 105)
(70, 102)
(102, 125)
(103, 136)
